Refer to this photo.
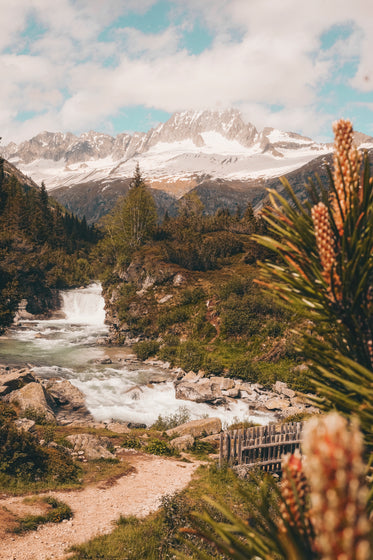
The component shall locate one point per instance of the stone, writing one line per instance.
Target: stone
(118, 427)
(25, 424)
(232, 393)
(32, 397)
(214, 439)
(192, 377)
(179, 279)
(282, 389)
(201, 391)
(277, 404)
(224, 383)
(182, 443)
(16, 379)
(136, 425)
(69, 401)
(196, 428)
(166, 298)
(90, 446)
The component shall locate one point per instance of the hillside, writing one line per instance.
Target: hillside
(43, 247)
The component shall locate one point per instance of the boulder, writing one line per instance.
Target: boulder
(282, 389)
(200, 391)
(182, 443)
(277, 404)
(159, 378)
(33, 397)
(233, 393)
(91, 447)
(196, 428)
(224, 383)
(118, 427)
(69, 401)
(25, 424)
(15, 379)
(214, 439)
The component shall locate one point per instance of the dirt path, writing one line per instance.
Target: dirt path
(96, 508)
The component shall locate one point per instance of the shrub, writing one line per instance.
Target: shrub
(179, 417)
(159, 447)
(58, 512)
(36, 415)
(20, 454)
(131, 442)
(145, 349)
(212, 366)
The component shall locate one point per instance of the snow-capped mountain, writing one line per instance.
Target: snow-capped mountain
(172, 157)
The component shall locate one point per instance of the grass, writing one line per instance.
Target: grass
(156, 536)
(56, 512)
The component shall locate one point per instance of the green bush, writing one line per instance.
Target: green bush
(159, 447)
(131, 442)
(179, 417)
(36, 415)
(20, 454)
(145, 349)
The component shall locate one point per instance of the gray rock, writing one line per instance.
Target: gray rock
(25, 424)
(196, 428)
(14, 380)
(182, 443)
(277, 404)
(33, 397)
(69, 401)
(118, 427)
(91, 447)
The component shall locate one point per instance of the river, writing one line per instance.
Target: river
(68, 348)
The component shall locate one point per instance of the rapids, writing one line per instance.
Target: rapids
(68, 348)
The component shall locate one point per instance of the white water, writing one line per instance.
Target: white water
(67, 348)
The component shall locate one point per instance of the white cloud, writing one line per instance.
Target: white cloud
(264, 53)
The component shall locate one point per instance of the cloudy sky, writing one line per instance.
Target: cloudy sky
(125, 65)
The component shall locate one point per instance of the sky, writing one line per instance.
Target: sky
(126, 65)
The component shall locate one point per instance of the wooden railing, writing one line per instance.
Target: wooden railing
(260, 446)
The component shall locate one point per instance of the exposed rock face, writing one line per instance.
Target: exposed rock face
(25, 424)
(32, 396)
(90, 446)
(197, 428)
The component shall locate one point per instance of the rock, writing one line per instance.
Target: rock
(33, 397)
(192, 377)
(165, 298)
(134, 392)
(136, 425)
(118, 427)
(196, 428)
(232, 393)
(214, 439)
(179, 279)
(69, 401)
(15, 379)
(282, 389)
(25, 424)
(224, 383)
(182, 443)
(201, 391)
(91, 447)
(277, 404)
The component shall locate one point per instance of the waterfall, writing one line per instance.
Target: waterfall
(84, 306)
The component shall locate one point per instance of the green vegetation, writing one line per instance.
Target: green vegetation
(42, 247)
(157, 536)
(57, 512)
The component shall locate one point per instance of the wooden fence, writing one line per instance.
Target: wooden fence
(260, 446)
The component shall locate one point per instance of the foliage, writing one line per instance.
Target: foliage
(42, 247)
(158, 447)
(326, 248)
(58, 511)
(172, 420)
(145, 349)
